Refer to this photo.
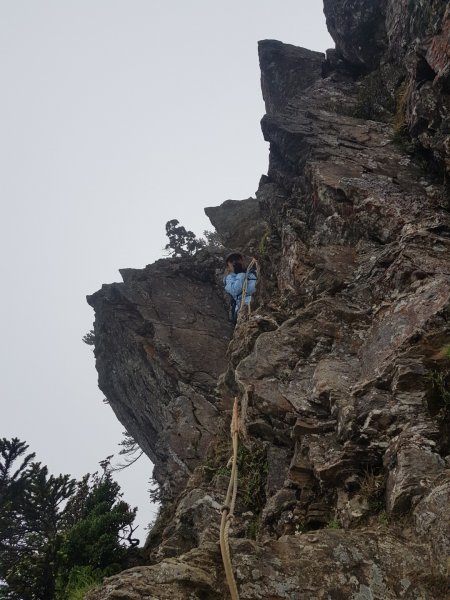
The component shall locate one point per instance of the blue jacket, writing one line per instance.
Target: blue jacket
(234, 285)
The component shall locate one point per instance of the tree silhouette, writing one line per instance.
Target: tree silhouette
(181, 242)
(55, 532)
(213, 240)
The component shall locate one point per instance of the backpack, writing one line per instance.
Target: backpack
(251, 275)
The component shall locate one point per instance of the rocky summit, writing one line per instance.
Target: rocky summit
(342, 370)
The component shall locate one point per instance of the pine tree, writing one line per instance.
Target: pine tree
(181, 242)
(14, 478)
(56, 533)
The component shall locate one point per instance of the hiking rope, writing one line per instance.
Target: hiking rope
(253, 263)
(230, 499)
(228, 507)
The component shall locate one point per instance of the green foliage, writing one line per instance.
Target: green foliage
(15, 464)
(52, 526)
(31, 505)
(216, 460)
(156, 529)
(400, 135)
(372, 489)
(252, 476)
(334, 524)
(213, 240)
(130, 450)
(384, 519)
(11, 473)
(83, 579)
(99, 520)
(300, 527)
(251, 531)
(223, 471)
(154, 491)
(181, 242)
(439, 393)
(373, 99)
(262, 247)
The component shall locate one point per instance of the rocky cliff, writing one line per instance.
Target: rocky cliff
(343, 367)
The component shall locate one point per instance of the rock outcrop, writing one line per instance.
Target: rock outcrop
(240, 222)
(404, 46)
(161, 339)
(343, 368)
(359, 565)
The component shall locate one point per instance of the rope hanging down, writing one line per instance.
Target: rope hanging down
(230, 500)
(228, 507)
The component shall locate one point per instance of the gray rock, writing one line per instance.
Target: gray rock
(151, 332)
(413, 464)
(432, 520)
(286, 71)
(318, 566)
(358, 29)
(333, 369)
(239, 224)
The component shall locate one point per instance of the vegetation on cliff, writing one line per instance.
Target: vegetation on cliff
(58, 536)
(341, 370)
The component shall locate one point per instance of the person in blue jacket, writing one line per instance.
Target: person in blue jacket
(234, 282)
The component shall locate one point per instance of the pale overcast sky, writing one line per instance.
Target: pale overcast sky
(115, 116)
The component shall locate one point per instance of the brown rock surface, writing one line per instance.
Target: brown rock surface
(358, 28)
(341, 369)
(359, 566)
(151, 332)
(406, 46)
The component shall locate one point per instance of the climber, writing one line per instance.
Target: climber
(234, 282)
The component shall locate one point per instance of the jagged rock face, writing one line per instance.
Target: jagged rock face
(341, 369)
(359, 565)
(285, 72)
(151, 332)
(428, 516)
(409, 43)
(358, 28)
(240, 223)
(341, 386)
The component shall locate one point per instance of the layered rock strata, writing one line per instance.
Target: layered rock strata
(161, 339)
(343, 367)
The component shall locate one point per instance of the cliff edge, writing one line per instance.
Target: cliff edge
(343, 368)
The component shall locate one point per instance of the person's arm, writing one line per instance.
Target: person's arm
(234, 283)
